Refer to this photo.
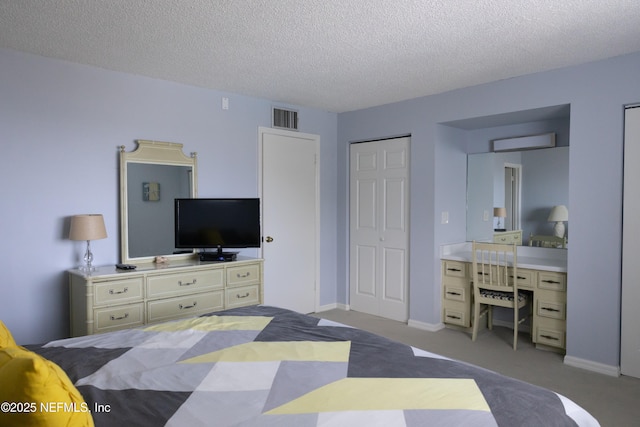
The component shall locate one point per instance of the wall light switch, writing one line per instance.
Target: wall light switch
(485, 216)
(225, 103)
(445, 217)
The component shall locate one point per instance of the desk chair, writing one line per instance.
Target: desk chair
(494, 270)
(547, 241)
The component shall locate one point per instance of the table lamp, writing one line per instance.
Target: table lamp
(500, 213)
(558, 214)
(87, 227)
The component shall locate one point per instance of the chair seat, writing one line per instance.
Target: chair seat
(505, 296)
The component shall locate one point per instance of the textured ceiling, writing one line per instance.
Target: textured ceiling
(334, 55)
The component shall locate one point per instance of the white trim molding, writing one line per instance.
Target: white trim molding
(589, 365)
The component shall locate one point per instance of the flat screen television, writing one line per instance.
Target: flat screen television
(217, 223)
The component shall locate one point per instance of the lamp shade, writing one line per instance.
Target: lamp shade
(500, 212)
(558, 213)
(87, 227)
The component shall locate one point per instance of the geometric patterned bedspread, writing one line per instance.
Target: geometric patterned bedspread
(266, 366)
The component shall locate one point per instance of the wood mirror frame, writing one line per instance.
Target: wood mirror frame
(149, 198)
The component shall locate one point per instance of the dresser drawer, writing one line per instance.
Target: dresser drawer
(184, 282)
(243, 275)
(184, 306)
(241, 296)
(118, 291)
(552, 281)
(508, 237)
(121, 317)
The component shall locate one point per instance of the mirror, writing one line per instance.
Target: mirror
(543, 183)
(151, 177)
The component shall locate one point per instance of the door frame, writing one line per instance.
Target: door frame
(262, 130)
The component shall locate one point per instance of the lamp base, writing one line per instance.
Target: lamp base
(558, 229)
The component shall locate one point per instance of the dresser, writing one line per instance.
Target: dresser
(508, 237)
(109, 299)
(541, 271)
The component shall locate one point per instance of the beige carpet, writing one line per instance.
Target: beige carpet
(615, 402)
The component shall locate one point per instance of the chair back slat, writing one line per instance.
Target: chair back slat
(493, 264)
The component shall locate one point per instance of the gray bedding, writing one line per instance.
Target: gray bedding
(266, 366)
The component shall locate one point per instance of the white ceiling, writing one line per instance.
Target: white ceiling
(335, 55)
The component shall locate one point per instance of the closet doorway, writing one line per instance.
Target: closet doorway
(630, 315)
(379, 228)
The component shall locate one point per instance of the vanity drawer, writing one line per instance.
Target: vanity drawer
(241, 296)
(243, 275)
(454, 268)
(454, 292)
(185, 306)
(455, 314)
(552, 281)
(187, 281)
(118, 291)
(551, 309)
(526, 278)
(121, 317)
(550, 336)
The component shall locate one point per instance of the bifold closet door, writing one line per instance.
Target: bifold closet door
(379, 228)
(630, 322)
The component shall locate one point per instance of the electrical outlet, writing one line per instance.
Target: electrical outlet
(485, 216)
(225, 103)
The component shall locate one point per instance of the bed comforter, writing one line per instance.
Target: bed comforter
(266, 366)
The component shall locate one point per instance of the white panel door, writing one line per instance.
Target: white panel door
(289, 193)
(379, 228)
(630, 324)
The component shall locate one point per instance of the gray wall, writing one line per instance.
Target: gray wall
(60, 128)
(596, 93)
(61, 124)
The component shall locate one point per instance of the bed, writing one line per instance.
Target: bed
(266, 366)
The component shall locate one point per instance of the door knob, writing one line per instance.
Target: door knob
(269, 239)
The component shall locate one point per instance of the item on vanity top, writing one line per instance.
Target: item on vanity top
(161, 260)
(125, 266)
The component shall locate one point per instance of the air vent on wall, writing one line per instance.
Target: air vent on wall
(285, 119)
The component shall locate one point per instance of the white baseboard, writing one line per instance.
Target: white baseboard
(589, 365)
(431, 327)
(333, 306)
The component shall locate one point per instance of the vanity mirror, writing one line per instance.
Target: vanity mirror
(151, 178)
(528, 183)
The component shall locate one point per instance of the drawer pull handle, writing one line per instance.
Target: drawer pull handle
(550, 309)
(180, 283)
(549, 337)
(243, 276)
(186, 307)
(453, 269)
(119, 318)
(551, 281)
(519, 277)
(454, 317)
(243, 296)
(453, 293)
(124, 291)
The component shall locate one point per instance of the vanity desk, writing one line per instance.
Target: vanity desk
(109, 299)
(541, 271)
